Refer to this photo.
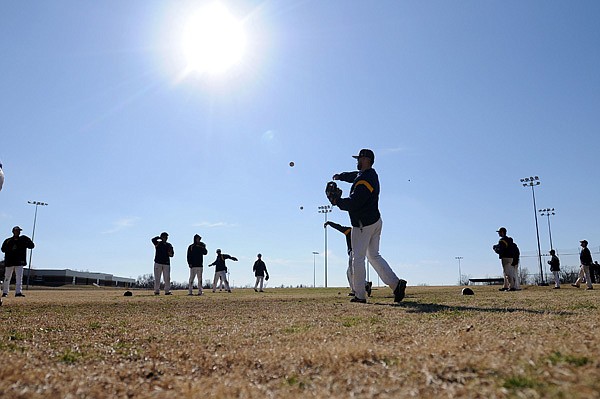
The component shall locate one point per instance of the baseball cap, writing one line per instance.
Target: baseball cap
(501, 229)
(17, 228)
(164, 233)
(365, 152)
(584, 242)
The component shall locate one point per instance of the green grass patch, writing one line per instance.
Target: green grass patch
(69, 356)
(295, 329)
(520, 382)
(576, 361)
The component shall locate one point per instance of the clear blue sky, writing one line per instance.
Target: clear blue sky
(458, 100)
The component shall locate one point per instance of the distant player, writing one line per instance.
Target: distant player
(345, 230)
(162, 262)
(363, 206)
(504, 251)
(221, 269)
(15, 258)
(195, 259)
(554, 263)
(585, 257)
(260, 270)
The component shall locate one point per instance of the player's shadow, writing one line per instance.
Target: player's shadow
(417, 307)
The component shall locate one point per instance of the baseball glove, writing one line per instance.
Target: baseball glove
(267, 278)
(332, 192)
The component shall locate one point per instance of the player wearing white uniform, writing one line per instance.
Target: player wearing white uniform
(345, 230)
(363, 206)
(221, 269)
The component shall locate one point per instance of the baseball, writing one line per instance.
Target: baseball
(291, 164)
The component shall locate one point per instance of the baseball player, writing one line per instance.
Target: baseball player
(195, 258)
(345, 230)
(363, 206)
(221, 269)
(505, 253)
(260, 269)
(162, 262)
(585, 257)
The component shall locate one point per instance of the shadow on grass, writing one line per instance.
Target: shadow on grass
(416, 307)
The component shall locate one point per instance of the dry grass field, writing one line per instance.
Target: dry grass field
(93, 343)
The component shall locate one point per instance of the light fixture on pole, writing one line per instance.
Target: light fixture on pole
(458, 258)
(36, 203)
(315, 269)
(325, 209)
(548, 212)
(532, 182)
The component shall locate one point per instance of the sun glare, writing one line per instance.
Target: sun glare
(213, 40)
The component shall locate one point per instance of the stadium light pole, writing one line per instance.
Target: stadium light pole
(36, 203)
(532, 182)
(548, 212)
(325, 209)
(458, 258)
(315, 269)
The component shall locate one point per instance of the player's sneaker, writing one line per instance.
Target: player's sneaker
(400, 291)
(369, 287)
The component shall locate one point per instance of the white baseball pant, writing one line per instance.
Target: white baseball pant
(365, 242)
(165, 270)
(18, 270)
(223, 276)
(195, 272)
(509, 272)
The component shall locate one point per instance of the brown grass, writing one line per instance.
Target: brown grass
(537, 343)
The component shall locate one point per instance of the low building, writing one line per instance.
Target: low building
(60, 277)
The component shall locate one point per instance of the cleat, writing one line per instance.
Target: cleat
(399, 292)
(503, 289)
(369, 288)
(358, 300)
(168, 293)
(351, 294)
(20, 294)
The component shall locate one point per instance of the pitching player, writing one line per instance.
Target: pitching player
(221, 269)
(345, 230)
(363, 206)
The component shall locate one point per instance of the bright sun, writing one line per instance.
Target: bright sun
(213, 40)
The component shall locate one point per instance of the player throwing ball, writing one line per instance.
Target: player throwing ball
(363, 206)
